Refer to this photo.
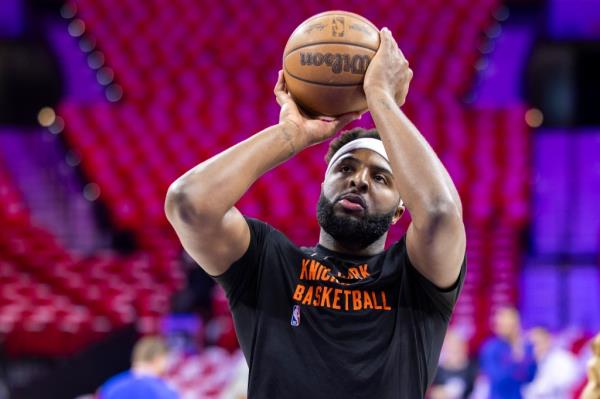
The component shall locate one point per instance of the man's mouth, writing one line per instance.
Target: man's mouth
(352, 202)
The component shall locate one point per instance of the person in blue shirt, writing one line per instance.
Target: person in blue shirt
(506, 359)
(143, 380)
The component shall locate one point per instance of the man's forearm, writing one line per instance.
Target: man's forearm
(423, 182)
(211, 188)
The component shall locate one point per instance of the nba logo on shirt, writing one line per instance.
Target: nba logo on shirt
(295, 316)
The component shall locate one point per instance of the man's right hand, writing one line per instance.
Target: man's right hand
(200, 204)
(310, 131)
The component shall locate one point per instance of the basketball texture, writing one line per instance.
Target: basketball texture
(325, 60)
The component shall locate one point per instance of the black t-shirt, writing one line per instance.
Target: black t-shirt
(313, 323)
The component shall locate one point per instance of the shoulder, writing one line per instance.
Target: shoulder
(262, 230)
(162, 388)
(266, 243)
(123, 376)
(258, 226)
(270, 236)
(115, 381)
(492, 342)
(397, 247)
(491, 345)
(397, 255)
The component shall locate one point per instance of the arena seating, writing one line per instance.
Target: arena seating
(203, 375)
(55, 302)
(197, 77)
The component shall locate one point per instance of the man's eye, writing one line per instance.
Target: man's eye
(380, 178)
(345, 169)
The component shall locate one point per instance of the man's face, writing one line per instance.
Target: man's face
(506, 323)
(359, 199)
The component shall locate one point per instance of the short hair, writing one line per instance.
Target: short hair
(348, 136)
(149, 348)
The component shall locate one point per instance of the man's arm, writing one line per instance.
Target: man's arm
(436, 237)
(200, 204)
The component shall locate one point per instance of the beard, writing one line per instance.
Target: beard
(352, 231)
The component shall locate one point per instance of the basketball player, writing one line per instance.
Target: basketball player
(345, 319)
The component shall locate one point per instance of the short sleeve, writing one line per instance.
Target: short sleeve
(240, 280)
(422, 292)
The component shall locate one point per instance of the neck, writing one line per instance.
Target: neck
(513, 338)
(326, 240)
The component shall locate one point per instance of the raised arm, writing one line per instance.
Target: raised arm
(200, 204)
(436, 237)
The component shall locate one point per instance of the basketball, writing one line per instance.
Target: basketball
(325, 60)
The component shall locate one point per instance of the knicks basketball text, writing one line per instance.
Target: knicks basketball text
(312, 292)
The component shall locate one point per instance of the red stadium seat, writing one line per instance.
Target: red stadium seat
(189, 94)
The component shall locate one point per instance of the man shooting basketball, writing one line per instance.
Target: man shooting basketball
(345, 318)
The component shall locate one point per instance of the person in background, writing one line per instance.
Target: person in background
(592, 389)
(557, 370)
(456, 372)
(346, 317)
(144, 379)
(506, 359)
(237, 387)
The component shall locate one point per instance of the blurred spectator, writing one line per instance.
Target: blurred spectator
(456, 372)
(557, 370)
(237, 388)
(592, 389)
(507, 360)
(144, 379)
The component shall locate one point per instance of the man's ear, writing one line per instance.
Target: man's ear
(399, 213)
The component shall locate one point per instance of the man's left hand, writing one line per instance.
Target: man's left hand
(388, 73)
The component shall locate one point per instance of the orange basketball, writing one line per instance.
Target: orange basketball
(325, 60)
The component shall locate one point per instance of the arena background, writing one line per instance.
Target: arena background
(103, 103)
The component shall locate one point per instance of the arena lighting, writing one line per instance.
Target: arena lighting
(105, 76)
(68, 11)
(91, 192)
(72, 159)
(534, 117)
(46, 116)
(96, 60)
(501, 14)
(76, 28)
(87, 43)
(114, 93)
(57, 126)
(494, 31)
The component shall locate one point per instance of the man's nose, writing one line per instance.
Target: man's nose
(360, 180)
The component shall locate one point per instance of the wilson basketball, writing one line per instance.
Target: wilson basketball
(325, 60)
